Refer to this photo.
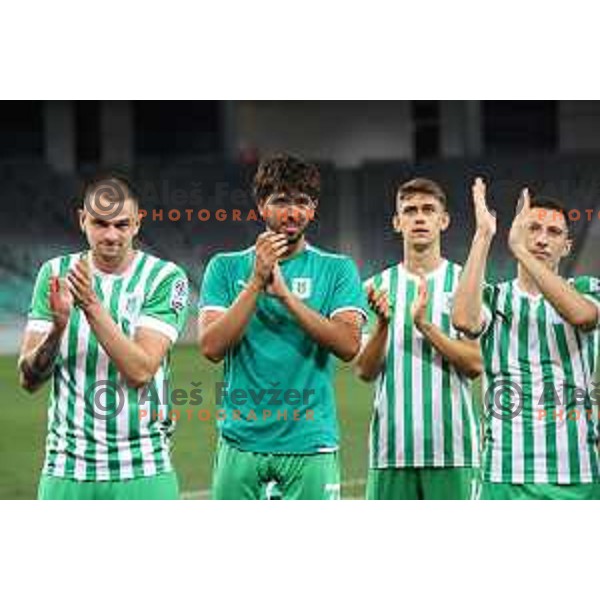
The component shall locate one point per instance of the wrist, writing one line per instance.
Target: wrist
(382, 323)
(285, 297)
(255, 285)
(58, 329)
(484, 235)
(92, 307)
(519, 251)
(422, 325)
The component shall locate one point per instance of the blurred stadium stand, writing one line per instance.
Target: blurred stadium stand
(38, 213)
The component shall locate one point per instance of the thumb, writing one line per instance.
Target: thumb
(526, 198)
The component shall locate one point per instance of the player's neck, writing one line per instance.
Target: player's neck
(116, 267)
(526, 282)
(424, 260)
(293, 249)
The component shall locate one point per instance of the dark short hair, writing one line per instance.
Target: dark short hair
(549, 204)
(284, 173)
(421, 185)
(110, 179)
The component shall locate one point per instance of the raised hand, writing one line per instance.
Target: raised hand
(80, 284)
(518, 230)
(484, 218)
(60, 301)
(419, 307)
(270, 246)
(379, 303)
(277, 286)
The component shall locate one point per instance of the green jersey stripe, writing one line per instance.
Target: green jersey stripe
(427, 383)
(390, 437)
(523, 459)
(111, 396)
(407, 372)
(65, 444)
(548, 460)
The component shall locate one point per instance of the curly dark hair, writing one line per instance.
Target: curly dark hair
(285, 173)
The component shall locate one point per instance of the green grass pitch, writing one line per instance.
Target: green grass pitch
(23, 429)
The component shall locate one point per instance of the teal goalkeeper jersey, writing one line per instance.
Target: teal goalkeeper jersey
(540, 396)
(99, 429)
(278, 390)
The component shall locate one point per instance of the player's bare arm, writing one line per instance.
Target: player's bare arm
(464, 355)
(468, 299)
(340, 333)
(218, 331)
(39, 350)
(137, 360)
(371, 358)
(567, 301)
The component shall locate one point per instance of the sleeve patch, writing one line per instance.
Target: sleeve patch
(179, 294)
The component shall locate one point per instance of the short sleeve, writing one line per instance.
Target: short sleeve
(590, 288)
(39, 317)
(165, 309)
(214, 291)
(348, 293)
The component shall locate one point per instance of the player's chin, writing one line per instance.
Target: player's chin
(421, 243)
(110, 252)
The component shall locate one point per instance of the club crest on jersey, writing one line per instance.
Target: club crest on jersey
(302, 287)
(132, 306)
(179, 294)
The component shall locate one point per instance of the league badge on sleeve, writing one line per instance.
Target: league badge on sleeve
(179, 294)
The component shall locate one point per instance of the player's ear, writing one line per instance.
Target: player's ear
(261, 208)
(136, 225)
(445, 221)
(81, 216)
(567, 249)
(396, 223)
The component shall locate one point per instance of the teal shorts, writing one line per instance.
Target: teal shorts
(537, 491)
(156, 487)
(420, 483)
(240, 475)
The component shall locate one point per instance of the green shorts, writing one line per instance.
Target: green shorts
(537, 491)
(156, 487)
(420, 483)
(240, 475)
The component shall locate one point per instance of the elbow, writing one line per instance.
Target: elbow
(349, 351)
(137, 382)
(209, 351)
(362, 371)
(140, 377)
(363, 374)
(27, 384)
(585, 320)
(26, 380)
(464, 326)
(474, 369)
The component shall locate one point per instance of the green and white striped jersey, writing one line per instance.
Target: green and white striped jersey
(539, 401)
(423, 412)
(100, 429)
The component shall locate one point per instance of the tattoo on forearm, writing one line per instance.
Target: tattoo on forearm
(38, 365)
